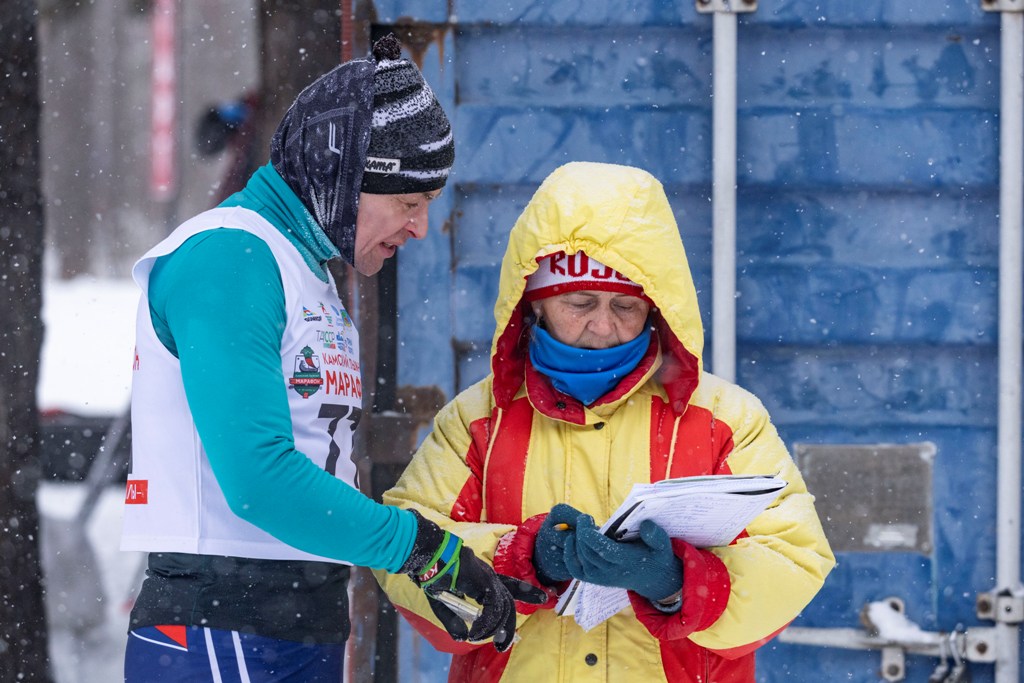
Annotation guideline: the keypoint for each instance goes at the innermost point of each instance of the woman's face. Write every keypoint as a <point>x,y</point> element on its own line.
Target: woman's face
<point>592,319</point>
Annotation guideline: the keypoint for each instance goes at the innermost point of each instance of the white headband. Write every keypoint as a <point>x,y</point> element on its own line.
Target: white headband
<point>558,274</point>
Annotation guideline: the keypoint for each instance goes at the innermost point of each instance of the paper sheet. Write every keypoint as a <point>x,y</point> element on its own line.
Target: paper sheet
<point>703,511</point>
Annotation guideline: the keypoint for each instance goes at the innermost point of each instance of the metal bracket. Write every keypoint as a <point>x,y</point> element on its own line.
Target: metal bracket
<point>734,6</point>
<point>977,644</point>
<point>980,641</point>
<point>996,5</point>
<point>1005,606</point>
<point>894,664</point>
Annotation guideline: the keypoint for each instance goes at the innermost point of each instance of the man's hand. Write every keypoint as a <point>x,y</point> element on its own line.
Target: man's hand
<point>549,545</point>
<point>439,562</point>
<point>645,565</point>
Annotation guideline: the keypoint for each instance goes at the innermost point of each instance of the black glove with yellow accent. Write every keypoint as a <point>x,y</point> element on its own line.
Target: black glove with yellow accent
<point>440,563</point>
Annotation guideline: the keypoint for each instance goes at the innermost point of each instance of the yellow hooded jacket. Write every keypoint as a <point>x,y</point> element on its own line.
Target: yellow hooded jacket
<point>507,449</point>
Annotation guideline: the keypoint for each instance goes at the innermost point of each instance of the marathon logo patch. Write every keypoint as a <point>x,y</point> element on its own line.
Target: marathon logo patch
<point>382,165</point>
<point>137,492</point>
<point>306,379</point>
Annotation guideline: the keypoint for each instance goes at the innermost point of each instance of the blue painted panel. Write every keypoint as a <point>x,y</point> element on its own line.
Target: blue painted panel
<point>604,66</point>
<point>515,145</point>
<point>801,67</point>
<point>962,565</point>
<point>784,663</point>
<point>473,363</point>
<point>965,520</point>
<point>888,229</point>
<point>575,12</point>
<point>871,13</point>
<point>667,67</point>
<point>859,578</point>
<point>876,14</point>
<point>485,214</point>
<point>824,303</point>
<point>873,387</point>
<point>475,289</point>
<point>964,495</point>
<point>389,11</point>
<point>425,357</point>
<point>891,148</point>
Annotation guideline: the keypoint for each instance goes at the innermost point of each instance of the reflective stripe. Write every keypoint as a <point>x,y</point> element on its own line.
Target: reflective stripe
<point>214,668</point>
<point>243,672</point>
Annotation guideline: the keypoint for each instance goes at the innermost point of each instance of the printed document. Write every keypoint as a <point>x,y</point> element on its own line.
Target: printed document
<point>705,511</point>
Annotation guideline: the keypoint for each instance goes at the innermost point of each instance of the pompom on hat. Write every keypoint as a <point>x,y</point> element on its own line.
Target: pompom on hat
<point>559,274</point>
<point>411,147</point>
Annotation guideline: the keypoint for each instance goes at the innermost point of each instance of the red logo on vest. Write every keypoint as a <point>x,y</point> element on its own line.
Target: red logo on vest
<point>137,492</point>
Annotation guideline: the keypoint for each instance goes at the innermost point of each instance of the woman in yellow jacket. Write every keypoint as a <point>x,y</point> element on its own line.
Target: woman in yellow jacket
<point>597,384</point>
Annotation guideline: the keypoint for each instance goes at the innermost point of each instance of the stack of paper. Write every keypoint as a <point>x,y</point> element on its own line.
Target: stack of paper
<point>704,511</point>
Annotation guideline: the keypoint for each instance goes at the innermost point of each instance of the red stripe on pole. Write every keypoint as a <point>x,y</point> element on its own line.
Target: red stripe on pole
<point>163,100</point>
<point>346,30</point>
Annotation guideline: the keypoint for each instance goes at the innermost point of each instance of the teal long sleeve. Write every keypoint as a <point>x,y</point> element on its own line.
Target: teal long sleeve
<point>217,303</point>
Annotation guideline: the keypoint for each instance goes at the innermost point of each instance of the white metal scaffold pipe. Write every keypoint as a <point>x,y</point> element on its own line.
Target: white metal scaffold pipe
<point>1011,185</point>
<point>723,197</point>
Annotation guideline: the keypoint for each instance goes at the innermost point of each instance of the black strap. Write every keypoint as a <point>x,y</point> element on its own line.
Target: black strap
<point>285,599</point>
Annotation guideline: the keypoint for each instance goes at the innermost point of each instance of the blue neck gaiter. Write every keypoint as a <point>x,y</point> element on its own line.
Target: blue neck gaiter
<point>585,374</point>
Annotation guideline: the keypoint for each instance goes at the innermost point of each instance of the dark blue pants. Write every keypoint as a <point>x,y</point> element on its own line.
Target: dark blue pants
<point>193,654</point>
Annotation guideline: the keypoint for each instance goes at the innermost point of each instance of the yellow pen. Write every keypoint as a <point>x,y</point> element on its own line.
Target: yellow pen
<point>562,526</point>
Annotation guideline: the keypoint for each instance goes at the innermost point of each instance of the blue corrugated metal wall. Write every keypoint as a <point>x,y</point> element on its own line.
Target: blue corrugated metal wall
<point>867,233</point>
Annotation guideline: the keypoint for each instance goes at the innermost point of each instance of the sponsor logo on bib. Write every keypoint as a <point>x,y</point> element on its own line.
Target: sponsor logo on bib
<point>306,379</point>
<point>137,492</point>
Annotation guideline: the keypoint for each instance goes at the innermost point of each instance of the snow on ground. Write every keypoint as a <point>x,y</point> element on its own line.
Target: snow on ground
<point>89,328</point>
<point>88,342</point>
<point>90,585</point>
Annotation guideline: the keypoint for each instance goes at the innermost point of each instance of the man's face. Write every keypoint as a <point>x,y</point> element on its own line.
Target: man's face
<point>385,222</point>
<point>593,319</point>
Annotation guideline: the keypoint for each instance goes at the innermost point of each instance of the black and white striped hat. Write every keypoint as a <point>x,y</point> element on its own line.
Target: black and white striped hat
<point>411,147</point>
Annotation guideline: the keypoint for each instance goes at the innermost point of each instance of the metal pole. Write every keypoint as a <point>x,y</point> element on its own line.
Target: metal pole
<point>723,196</point>
<point>1011,176</point>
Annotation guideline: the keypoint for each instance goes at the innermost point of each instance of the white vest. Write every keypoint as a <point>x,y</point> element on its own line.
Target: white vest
<point>173,502</point>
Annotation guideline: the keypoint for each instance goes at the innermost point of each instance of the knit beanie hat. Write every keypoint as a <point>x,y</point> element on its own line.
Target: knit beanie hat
<point>321,145</point>
<point>411,148</point>
<point>558,274</point>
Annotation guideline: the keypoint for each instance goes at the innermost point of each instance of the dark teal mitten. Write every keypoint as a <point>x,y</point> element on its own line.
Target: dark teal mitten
<point>549,545</point>
<point>644,565</point>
